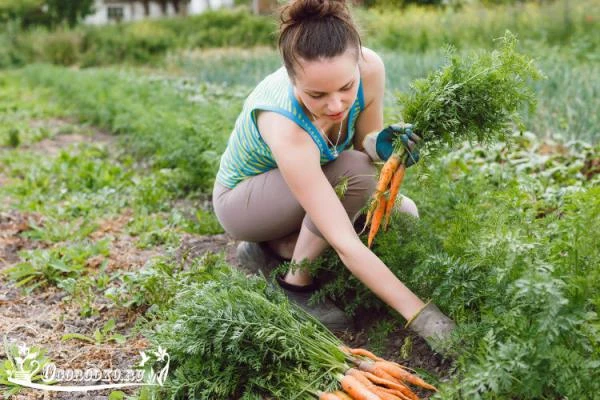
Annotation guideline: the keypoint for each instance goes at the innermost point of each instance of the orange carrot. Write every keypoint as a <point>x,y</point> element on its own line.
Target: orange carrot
<point>402,391</point>
<point>376,222</point>
<point>385,176</point>
<point>372,206</point>
<point>357,390</point>
<point>366,353</point>
<point>404,367</point>
<point>328,396</point>
<point>404,375</point>
<point>342,395</point>
<point>360,376</point>
<point>384,394</point>
<point>391,384</point>
<point>373,368</point>
<point>394,189</point>
<point>400,394</point>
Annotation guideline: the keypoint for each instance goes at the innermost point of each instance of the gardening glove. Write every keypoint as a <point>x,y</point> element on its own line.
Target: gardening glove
<point>379,145</point>
<point>430,323</point>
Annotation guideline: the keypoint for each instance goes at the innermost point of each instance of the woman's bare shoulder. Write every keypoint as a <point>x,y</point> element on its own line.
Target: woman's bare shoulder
<point>277,130</point>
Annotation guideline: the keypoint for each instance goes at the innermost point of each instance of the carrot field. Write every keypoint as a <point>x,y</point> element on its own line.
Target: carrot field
<point>111,255</point>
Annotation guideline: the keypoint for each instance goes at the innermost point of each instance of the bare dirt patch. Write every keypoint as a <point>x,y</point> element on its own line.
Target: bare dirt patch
<point>42,317</point>
<point>12,223</point>
<point>63,138</point>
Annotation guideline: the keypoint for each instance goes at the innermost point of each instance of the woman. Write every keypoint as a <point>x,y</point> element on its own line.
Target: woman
<point>290,147</point>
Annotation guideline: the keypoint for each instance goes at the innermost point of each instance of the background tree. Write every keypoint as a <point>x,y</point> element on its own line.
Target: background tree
<point>68,11</point>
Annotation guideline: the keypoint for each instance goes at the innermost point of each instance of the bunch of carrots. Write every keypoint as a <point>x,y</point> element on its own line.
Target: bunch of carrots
<point>473,98</point>
<point>374,378</point>
<point>386,191</point>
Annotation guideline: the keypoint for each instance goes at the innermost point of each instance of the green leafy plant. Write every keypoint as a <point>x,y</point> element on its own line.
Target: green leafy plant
<point>49,266</point>
<point>103,335</point>
<point>162,278</point>
<point>249,339</point>
<point>13,138</point>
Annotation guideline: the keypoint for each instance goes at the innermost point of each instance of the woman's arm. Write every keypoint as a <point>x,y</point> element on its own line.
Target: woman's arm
<point>372,72</point>
<point>297,157</point>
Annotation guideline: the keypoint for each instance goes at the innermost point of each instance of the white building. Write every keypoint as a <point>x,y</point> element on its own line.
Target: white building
<point>122,10</point>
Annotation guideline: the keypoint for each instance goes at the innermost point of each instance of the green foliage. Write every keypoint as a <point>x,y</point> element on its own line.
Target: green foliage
<point>137,42</point>
<point>13,138</point>
<point>472,98</point>
<point>237,336</point>
<point>159,282</point>
<point>506,245</point>
<point>420,29</point>
<point>68,11</point>
<point>23,12</point>
<point>379,333</point>
<point>103,335</point>
<point>82,290</point>
<point>140,42</point>
<point>153,230</point>
<point>223,29</point>
<point>414,29</point>
<point>396,4</point>
<point>51,266</point>
<point>175,124</point>
<point>206,224</point>
<point>48,13</point>
<point>21,109</point>
<point>58,47</point>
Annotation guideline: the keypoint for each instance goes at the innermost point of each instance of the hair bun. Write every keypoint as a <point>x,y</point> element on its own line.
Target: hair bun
<point>300,10</point>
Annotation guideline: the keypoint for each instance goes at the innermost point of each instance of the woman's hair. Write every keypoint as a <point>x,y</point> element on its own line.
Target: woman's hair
<point>314,29</point>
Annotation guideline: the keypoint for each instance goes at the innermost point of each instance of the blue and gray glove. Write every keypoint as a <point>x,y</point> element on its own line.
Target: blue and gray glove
<point>379,145</point>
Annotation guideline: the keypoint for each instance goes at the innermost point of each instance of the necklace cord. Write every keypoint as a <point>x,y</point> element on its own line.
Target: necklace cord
<point>339,134</point>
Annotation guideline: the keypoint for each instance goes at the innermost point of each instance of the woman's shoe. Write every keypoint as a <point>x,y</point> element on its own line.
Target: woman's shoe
<point>325,311</point>
<point>258,257</point>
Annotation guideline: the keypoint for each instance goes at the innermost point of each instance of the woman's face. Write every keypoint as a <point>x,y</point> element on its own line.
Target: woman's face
<point>328,87</point>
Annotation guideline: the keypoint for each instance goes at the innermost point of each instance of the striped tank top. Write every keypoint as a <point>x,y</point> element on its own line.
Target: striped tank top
<point>247,154</point>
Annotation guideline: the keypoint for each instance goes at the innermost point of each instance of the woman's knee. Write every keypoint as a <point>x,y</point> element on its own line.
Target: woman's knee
<point>360,171</point>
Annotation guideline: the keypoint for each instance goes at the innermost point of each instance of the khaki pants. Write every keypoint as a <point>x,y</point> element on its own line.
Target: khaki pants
<point>262,208</point>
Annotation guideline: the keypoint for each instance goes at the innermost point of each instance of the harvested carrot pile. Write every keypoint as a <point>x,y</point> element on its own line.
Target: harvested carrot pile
<point>474,99</point>
<point>238,337</point>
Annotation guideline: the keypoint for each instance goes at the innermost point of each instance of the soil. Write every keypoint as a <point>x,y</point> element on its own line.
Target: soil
<point>42,317</point>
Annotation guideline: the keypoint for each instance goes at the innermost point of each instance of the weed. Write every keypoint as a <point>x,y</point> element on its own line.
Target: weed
<point>50,266</point>
<point>103,335</point>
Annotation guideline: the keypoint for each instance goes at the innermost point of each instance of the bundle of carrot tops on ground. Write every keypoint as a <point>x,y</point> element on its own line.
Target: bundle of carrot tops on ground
<point>239,337</point>
<point>475,99</point>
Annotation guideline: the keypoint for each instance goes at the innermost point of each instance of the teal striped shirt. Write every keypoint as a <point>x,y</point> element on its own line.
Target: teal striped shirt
<point>247,154</point>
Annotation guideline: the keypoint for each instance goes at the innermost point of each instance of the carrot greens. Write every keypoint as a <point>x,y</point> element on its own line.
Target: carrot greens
<point>473,98</point>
